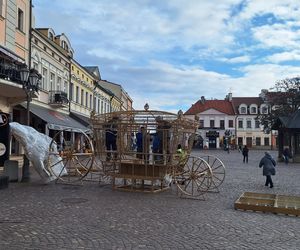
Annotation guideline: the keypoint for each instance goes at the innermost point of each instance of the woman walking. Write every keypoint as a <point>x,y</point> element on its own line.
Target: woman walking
<point>268,164</point>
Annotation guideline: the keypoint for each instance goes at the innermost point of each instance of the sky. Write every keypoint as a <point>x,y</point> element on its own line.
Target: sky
<point>169,53</point>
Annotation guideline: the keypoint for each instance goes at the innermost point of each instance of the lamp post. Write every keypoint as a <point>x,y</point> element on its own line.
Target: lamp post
<point>30,80</point>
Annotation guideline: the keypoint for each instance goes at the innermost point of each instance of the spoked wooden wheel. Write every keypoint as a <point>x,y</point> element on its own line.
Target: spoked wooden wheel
<point>218,170</point>
<point>194,178</point>
<point>71,161</point>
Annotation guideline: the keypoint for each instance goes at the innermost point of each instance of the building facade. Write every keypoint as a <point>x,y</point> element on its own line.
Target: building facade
<point>232,122</point>
<point>216,123</point>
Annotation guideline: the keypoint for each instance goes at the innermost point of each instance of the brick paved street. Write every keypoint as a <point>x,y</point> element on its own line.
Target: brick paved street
<point>36,216</point>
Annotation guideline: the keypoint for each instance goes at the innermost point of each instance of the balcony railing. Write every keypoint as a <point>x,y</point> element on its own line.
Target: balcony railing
<point>58,98</point>
<point>10,71</point>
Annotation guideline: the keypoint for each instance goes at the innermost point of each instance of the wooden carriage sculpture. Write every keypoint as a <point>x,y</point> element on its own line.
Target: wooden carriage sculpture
<point>142,150</point>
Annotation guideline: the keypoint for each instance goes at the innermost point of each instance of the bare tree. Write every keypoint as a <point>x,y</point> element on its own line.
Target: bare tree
<point>283,100</point>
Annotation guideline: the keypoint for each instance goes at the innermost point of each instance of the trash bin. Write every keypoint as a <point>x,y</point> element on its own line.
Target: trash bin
<point>11,169</point>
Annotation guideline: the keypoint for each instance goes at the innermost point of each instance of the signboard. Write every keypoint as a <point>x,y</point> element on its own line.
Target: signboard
<point>212,133</point>
<point>4,137</point>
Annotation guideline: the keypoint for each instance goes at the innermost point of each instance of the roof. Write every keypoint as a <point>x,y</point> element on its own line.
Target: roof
<point>237,101</point>
<point>223,106</point>
<point>94,70</point>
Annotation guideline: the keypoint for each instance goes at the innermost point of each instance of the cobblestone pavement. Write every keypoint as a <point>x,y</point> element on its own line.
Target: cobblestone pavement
<point>92,216</point>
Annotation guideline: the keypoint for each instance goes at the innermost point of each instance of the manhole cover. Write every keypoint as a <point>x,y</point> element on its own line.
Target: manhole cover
<point>74,200</point>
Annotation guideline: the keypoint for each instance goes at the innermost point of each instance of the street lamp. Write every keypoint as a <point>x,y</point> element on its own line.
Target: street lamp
<point>30,79</point>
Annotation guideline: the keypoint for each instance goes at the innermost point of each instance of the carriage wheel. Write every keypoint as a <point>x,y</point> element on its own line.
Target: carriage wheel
<point>218,170</point>
<point>194,178</point>
<point>70,162</point>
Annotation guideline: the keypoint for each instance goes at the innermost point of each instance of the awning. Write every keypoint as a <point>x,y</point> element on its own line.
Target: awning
<point>80,118</point>
<point>57,120</point>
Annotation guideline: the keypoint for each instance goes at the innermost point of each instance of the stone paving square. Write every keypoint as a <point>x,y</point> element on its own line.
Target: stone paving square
<point>92,216</point>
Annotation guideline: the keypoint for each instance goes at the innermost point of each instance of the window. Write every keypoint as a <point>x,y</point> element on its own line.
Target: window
<point>258,142</point>
<point>222,124</point>
<point>65,87</point>
<point>212,123</point>
<point>35,65</point>
<point>201,124</point>
<point>256,123</point>
<point>58,84</point>
<point>98,110</point>
<point>249,125</point>
<point>86,99</point>
<point>82,96</point>
<point>1,7</point>
<point>20,20</point>
<point>91,101</point>
<point>240,123</point>
<point>52,83</point>
<point>267,141</point>
<point>71,91</point>
<point>264,110</point>
<point>230,123</point>
<point>51,36</point>
<point>44,78</point>
<point>243,110</point>
<point>101,107</point>
<point>77,94</point>
<point>45,48</point>
<point>253,110</point>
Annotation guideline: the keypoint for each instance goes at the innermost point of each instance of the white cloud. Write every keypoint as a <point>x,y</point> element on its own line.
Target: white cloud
<point>284,56</point>
<point>165,52</point>
<point>238,59</point>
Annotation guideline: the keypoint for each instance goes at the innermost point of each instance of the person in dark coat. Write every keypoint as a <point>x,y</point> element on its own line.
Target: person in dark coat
<point>245,153</point>
<point>286,155</point>
<point>268,164</point>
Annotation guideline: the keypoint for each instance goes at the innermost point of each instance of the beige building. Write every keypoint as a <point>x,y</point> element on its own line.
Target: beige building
<point>121,94</point>
<point>248,129</point>
<point>14,50</point>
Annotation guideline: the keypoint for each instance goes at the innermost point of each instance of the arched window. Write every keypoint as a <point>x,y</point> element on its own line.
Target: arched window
<point>243,110</point>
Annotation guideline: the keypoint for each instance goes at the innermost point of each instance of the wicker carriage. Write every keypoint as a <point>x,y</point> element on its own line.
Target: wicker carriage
<point>142,150</point>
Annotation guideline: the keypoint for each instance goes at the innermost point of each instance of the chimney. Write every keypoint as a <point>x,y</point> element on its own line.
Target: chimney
<point>202,99</point>
<point>230,97</point>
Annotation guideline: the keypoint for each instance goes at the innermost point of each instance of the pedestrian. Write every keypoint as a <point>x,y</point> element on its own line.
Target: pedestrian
<point>140,142</point>
<point>268,164</point>
<point>286,155</point>
<point>245,154</point>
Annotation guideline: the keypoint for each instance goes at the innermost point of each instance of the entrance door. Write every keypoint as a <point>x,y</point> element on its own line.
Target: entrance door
<point>212,142</point>
<point>249,142</point>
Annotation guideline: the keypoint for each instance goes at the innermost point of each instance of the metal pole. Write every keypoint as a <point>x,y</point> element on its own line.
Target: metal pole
<point>25,168</point>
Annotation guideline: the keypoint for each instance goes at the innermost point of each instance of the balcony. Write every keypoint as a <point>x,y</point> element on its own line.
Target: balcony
<point>58,99</point>
<point>11,86</point>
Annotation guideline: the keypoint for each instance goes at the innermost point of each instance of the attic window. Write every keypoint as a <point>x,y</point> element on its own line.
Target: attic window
<point>51,36</point>
<point>253,110</point>
<point>243,110</point>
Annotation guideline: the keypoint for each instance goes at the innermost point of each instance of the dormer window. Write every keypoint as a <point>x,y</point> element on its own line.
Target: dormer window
<point>243,110</point>
<point>51,37</point>
<point>264,110</point>
<point>253,110</point>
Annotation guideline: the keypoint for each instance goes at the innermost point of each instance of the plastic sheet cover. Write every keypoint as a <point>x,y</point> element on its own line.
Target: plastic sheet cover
<point>36,148</point>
